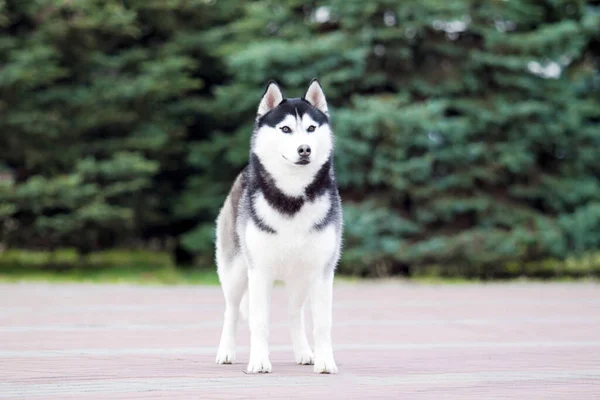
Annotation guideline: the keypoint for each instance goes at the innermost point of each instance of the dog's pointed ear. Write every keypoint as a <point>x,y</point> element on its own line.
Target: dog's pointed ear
<point>270,99</point>
<point>315,96</point>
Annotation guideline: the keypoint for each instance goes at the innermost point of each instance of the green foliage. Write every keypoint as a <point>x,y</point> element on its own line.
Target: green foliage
<point>98,98</point>
<point>150,267</point>
<point>467,131</point>
<point>114,266</point>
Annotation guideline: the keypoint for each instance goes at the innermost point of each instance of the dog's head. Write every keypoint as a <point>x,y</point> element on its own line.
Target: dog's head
<point>293,133</point>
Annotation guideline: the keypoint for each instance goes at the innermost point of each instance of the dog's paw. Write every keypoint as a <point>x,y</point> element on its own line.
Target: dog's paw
<point>259,365</point>
<point>225,356</point>
<point>305,357</point>
<point>325,365</point>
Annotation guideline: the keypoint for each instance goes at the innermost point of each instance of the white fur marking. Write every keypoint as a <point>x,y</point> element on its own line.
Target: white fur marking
<point>321,306</point>
<point>278,152</point>
<point>260,285</point>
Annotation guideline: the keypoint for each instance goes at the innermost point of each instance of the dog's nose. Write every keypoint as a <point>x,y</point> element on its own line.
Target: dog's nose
<point>304,150</point>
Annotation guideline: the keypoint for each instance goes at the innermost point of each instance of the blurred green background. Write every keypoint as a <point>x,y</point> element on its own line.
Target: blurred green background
<point>468,131</point>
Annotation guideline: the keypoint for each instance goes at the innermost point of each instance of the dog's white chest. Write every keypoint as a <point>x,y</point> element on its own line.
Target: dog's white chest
<point>296,247</point>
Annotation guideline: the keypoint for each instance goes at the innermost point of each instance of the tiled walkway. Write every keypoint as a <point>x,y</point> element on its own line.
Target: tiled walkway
<point>392,340</point>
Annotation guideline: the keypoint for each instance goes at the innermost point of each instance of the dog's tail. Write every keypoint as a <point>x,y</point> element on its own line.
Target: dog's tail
<point>244,306</point>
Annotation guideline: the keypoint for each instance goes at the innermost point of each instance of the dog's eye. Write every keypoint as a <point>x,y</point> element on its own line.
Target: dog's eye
<point>285,129</point>
<point>311,128</point>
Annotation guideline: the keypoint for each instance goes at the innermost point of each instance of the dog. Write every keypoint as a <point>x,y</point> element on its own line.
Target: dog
<point>282,221</point>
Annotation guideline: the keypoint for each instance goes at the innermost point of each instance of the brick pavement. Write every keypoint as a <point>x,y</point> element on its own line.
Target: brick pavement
<point>392,340</point>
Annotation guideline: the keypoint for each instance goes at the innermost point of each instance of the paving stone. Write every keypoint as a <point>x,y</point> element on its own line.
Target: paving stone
<point>392,340</point>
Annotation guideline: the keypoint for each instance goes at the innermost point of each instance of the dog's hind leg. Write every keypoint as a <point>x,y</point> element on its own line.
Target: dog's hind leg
<point>297,297</point>
<point>234,282</point>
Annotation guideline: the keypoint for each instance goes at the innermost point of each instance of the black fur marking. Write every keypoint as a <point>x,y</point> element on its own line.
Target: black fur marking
<point>247,203</point>
<point>257,220</point>
<point>263,182</point>
<point>289,205</point>
<point>291,107</point>
<point>259,179</point>
<point>321,183</point>
<point>334,210</point>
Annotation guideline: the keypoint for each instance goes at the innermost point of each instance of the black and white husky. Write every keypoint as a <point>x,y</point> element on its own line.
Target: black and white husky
<point>282,221</point>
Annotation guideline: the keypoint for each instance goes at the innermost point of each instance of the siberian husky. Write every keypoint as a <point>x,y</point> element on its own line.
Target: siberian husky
<point>282,221</point>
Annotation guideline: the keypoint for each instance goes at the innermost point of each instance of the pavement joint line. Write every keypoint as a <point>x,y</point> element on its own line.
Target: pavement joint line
<point>362,322</point>
<point>210,350</point>
<point>12,309</point>
<point>20,390</point>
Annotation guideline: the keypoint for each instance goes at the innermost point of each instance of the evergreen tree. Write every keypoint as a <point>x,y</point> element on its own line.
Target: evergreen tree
<point>96,101</point>
<point>467,130</point>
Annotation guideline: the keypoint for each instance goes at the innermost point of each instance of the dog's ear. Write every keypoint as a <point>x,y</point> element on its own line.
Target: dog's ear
<point>270,99</point>
<point>315,96</point>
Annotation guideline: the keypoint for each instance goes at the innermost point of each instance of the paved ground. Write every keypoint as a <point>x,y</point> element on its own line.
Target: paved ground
<point>393,340</point>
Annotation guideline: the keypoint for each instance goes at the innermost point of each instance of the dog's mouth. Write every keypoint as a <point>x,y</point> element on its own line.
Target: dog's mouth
<point>301,161</point>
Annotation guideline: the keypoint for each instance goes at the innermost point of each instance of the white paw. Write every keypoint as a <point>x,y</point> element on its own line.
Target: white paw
<point>325,365</point>
<point>259,365</point>
<point>305,357</point>
<point>225,356</point>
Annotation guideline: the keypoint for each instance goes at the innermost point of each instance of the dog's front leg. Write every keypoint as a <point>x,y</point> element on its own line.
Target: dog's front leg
<point>321,306</point>
<point>260,285</point>
<point>298,293</point>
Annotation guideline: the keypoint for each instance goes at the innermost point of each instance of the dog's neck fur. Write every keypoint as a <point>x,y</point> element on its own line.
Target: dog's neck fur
<point>261,180</point>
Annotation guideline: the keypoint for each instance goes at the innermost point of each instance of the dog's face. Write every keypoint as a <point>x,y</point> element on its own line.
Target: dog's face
<point>294,133</point>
